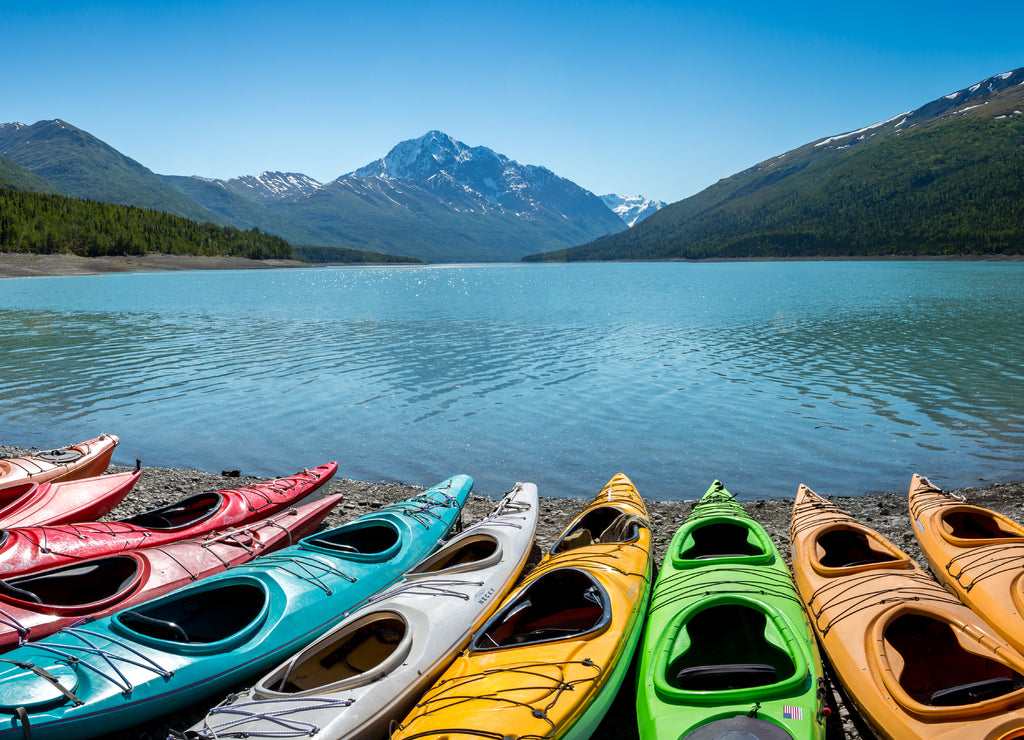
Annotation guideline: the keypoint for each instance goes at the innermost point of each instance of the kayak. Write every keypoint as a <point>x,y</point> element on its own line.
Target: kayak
<point>551,659</point>
<point>915,661</point>
<point>37,605</point>
<point>30,549</point>
<point>83,460</point>
<point>727,647</point>
<point>977,553</point>
<point>64,502</point>
<point>369,671</point>
<point>208,637</point>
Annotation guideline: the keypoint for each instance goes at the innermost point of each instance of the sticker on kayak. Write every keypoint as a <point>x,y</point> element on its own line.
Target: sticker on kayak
<point>919,525</point>
<point>483,595</point>
<point>789,712</point>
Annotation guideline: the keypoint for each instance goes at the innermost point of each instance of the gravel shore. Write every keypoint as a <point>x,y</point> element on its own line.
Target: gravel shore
<point>885,512</point>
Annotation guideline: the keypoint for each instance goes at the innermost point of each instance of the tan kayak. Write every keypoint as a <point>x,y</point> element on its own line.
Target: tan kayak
<point>915,661</point>
<point>976,552</point>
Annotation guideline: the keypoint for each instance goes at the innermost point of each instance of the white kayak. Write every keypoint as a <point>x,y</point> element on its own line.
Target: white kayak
<point>371,669</point>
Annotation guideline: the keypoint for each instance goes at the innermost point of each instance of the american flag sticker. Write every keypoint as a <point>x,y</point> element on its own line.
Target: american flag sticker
<point>789,712</point>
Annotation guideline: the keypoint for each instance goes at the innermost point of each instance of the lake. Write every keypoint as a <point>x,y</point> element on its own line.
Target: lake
<point>846,376</point>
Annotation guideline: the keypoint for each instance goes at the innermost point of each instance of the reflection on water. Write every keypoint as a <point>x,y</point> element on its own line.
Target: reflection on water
<point>846,376</point>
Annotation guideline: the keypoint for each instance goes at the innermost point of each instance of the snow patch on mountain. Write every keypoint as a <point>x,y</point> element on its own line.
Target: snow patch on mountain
<point>632,208</point>
<point>272,186</point>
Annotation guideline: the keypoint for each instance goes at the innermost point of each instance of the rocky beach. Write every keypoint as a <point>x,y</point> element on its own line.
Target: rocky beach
<point>886,512</point>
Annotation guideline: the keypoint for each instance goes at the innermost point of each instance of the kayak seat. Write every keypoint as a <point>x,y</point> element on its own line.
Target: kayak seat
<point>184,513</point>
<point>725,676</point>
<point>935,669</point>
<point>348,655</point>
<point>474,550</point>
<point>559,604</point>
<point>610,524</point>
<point>845,548</point>
<point>972,693</point>
<point>719,540</point>
<point>364,540</point>
<point>971,525</point>
<point>209,615</point>
<point>723,647</point>
<point>10,591</point>
<point>75,585</point>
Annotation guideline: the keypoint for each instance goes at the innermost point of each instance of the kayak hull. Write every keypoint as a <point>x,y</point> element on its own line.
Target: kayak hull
<point>30,549</point>
<point>551,658</point>
<point>915,661</point>
<point>65,502</point>
<point>42,603</point>
<point>206,638</point>
<point>82,460</point>
<point>727,633</point>
<point>368,671</point>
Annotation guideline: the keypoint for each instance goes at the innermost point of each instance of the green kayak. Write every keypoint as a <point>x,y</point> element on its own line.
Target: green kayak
<point>727,651</point>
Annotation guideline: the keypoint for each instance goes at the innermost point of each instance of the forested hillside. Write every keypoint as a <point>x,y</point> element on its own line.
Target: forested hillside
<point>946,179</point>
<point>46,224</point>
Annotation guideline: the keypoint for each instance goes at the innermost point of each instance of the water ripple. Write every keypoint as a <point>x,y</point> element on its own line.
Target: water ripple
<point>845,376</point>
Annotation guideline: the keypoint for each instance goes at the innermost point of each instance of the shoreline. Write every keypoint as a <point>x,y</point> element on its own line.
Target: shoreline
<point>23,265</point>
<point>885,512</point>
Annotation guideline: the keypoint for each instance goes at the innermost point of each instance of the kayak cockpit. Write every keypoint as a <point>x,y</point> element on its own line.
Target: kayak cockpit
<point>469,553</point>
<point>934,668</point>
<point>373,539</point>
<point>227,610</point>
<point>976,524</point>
<point>90,583</point>
<point>712,540</point>
<point>726,646</point>
<point>564,603</point>
<point>853,546</point>
<point>358,653</point>
<point>184,513</point>
<point>603,525</point>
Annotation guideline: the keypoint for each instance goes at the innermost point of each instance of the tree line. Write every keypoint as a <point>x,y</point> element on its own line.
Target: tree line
<point>50,224</point>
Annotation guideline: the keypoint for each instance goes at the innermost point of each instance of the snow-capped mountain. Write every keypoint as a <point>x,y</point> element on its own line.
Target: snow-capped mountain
<point>440,163</point>
<point>632,208</point>
<point>273,186</point>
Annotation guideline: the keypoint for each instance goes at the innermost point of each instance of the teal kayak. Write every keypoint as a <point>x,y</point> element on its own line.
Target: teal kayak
<point>727,651</point>
<point>207,638</point>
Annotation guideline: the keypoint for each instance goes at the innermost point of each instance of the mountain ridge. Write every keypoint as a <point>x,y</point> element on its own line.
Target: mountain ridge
<point>943,178</point>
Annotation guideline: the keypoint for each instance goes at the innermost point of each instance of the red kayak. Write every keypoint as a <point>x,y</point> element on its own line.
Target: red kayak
<point>82,460</point>
<point>30,549</point>
<point>65,502</point>
<point>34,606</point>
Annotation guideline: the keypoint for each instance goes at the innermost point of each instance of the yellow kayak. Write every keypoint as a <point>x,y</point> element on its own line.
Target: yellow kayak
<point>915,661</point>
<point>976,552</point>
<point>552,658</point>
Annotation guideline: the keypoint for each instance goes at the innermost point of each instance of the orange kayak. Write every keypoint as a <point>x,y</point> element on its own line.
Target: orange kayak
<point>552,658</point>
<point>915,661</point>
<point>82,460</point>
<point>976,552</point>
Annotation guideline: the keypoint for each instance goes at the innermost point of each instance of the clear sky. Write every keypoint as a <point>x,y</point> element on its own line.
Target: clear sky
<point>660,99</point>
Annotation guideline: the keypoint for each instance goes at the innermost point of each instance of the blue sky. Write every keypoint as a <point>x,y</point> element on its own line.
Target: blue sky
<point>654,98</point>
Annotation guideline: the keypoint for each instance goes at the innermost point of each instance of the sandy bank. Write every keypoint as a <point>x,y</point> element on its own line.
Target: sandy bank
<point>14,265</point>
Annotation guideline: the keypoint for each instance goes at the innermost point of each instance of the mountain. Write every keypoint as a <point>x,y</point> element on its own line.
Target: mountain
<point>432,198</point>
<point>942,179</point>
<point>14,177</point>
<point>632,209</point>
<point>82,166</point>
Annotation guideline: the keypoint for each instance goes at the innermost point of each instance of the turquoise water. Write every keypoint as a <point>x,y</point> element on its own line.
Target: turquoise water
<point>846,376</point>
